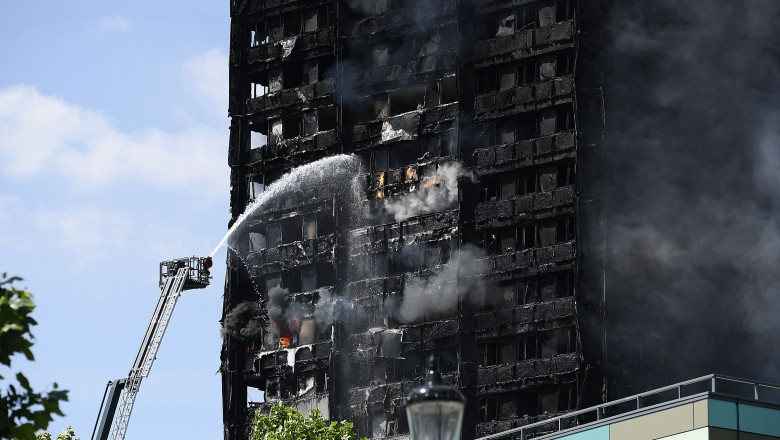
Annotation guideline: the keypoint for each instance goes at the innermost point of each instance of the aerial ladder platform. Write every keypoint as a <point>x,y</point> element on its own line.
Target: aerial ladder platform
<point>118,400</point>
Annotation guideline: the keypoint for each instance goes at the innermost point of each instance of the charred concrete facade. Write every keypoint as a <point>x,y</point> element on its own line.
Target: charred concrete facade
<point>454,230</point>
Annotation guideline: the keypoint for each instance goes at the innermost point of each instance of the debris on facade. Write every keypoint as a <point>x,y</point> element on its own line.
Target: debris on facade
<point>459,233</point>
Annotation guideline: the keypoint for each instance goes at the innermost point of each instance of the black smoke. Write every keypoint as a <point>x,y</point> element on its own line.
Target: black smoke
<point>687,188</point>
<point>243,322</point>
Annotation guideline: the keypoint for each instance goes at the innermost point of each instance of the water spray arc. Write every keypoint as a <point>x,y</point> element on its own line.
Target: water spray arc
<point>317,173</point>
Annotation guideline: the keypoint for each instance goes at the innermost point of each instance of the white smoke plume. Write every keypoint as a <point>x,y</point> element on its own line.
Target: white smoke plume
<point>331,308</point>
<point>438,295</point>
<point>438,192</point>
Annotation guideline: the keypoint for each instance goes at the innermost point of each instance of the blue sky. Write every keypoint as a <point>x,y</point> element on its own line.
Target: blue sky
<point>113,157</point>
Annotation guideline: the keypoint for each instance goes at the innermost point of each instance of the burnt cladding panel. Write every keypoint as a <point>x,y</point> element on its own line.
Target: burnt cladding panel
<point>410,87</point>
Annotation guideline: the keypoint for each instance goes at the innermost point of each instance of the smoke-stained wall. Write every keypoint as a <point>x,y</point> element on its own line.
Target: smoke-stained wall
<point>682,194</point>
<point>454,226</point>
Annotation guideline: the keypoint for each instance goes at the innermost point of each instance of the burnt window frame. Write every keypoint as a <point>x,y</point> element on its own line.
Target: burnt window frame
<point>507,240</point>
<point>362,109</point>
<point>379,154</point>
<point>274,227</point>
<point>528,181</point>
<point>494,241</point>
<point>289,28</point>
<point>525,127</point>
<point>531,348</point>
<point>404,153</point>
<point>513,342</point>
<point>258,34</point>
<point>527,17</point>
<point>564,285</point>
<point>547,286</point>
<point>530,292</point>
<point>292,126</point>
<point>507,185</point>
<point>433,145</point>
<point>488,408</point>
<point>527,237</point>
<point>486,81</point>
<point>292,229</point>
<point>446,88</point>
<point>380,102</point>
<point>253,179</point>
<point>307,220</point>
<point>292,76</point>
<point>307,15</point>
<point>327,118</point>
<point>489,190</point>
<point>325,18</point>
<point>307,271</point>
<point>527,73</point>
<point>400,102</point>
<point>565,173</point>
<point>564,10</point>
<point>379,60</point>
<point>272,280</point>
<point>564,64</point>
<point>565,119</point>
<point>565,230</point>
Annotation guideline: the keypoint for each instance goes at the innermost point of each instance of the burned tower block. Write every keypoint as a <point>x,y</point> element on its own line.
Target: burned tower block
<point>450,228</point>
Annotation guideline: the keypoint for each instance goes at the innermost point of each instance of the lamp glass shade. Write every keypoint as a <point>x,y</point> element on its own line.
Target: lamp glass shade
<point>435,419</point>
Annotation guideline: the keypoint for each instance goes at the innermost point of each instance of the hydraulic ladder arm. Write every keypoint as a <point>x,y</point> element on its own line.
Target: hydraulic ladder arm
<point>119,398</point>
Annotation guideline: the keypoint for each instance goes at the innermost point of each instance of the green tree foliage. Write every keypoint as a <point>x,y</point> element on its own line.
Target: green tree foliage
<point>67,434</point>
<point>22,410</point>
<point>283,423</point>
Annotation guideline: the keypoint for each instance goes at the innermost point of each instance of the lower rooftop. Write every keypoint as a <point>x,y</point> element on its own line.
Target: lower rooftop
<point>710,407</point>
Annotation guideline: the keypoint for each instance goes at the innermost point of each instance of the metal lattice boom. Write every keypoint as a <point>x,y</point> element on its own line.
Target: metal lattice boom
<point>171,291</point>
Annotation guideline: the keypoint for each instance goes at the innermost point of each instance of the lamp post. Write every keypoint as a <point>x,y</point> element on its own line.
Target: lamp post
<point>435,410</point>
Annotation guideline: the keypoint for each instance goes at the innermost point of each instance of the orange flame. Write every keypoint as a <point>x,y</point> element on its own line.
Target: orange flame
<point>431,181</point>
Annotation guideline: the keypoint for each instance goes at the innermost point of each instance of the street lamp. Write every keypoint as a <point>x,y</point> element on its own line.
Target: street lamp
<point>435,410</point>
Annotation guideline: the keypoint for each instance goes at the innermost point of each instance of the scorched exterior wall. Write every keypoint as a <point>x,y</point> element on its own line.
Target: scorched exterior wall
<point>413,88</point>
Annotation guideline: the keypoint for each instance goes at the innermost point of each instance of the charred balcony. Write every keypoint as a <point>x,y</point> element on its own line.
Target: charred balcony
<point>289,153</point>
<point>294,99</point>
<point>306,379</point>
<point>541,400</point>
<point>427,67</point>
<point>516,154</point>
<point>529,374</point>
<point>393,235</point>
<point>296,241</point>
<point>293,138</point>
<point>525,320</point>
<point>518,44</point>
<point>421,109</point>
<point>261,8</point>
<point>531,193</point>
<point>524,98</point>
<point>270,54</point>
<point>269,360</point>
<point>396,20</point>
<point>538,258</point>
<point>553,94</point>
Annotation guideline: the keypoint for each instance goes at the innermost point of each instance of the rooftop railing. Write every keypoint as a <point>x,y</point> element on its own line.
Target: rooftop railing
<point>725,385</point>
